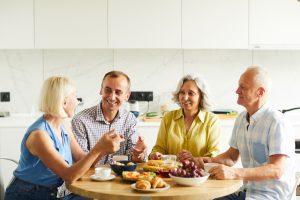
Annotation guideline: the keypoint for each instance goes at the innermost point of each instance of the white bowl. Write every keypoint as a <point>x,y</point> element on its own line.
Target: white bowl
<point>190,181</point>
<point>208,166</point>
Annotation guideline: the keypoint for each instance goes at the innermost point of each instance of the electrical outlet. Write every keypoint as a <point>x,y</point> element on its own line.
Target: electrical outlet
<point>80,100</point>
<point>141,96</point>
<point>5,96</point>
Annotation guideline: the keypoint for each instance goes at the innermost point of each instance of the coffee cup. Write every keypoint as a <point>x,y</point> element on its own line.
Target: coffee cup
<point>102,172</point>
<point>208,166</point>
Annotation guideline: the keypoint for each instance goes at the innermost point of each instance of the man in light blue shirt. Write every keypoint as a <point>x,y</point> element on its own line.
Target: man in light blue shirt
<point>264,140</point>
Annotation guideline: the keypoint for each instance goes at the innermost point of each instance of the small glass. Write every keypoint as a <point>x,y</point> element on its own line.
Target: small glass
<point>169,159</point>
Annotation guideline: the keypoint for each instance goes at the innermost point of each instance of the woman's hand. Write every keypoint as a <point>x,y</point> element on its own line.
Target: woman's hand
<point>184,155</point>
<point>155,156</point>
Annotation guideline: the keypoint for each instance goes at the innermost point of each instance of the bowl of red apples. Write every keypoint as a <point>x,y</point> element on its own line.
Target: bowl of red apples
<point>188,174</point>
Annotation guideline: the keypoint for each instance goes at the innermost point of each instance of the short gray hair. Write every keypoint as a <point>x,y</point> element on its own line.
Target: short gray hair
<point>261,77</point>
<point>205,102</point>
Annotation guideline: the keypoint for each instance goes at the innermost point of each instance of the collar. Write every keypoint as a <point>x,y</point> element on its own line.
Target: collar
<point>100,115</point>
<point>179,114</point>
<point>259,113</point>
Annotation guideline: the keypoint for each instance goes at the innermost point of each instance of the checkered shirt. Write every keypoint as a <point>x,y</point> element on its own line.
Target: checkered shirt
<point>89,126</point>
<point>268,133</point>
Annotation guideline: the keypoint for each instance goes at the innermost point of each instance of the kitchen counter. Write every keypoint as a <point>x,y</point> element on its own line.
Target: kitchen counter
<point>24,120</point>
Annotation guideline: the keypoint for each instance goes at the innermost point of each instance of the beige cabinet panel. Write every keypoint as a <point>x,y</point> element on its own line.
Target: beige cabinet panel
<point>274,24</point>
<point>16,24</point>
<point>144,23</point>
<point>71,24</point>
<point>216,24</point>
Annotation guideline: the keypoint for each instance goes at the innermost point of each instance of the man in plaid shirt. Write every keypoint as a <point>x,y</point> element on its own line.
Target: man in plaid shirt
<point>92,123</point>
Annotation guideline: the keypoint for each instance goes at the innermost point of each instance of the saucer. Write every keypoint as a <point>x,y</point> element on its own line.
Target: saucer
<point>98,178</point>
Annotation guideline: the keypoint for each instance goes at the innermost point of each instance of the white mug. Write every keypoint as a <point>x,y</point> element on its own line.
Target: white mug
<point>102,172</point>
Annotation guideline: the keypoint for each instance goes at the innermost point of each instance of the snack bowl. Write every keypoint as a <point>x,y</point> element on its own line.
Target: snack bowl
<point>190,181</point>
<point>123,165</point>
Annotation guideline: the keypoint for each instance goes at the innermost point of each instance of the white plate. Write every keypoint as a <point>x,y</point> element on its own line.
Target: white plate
<point>150,190</point>
<point>98,178</point>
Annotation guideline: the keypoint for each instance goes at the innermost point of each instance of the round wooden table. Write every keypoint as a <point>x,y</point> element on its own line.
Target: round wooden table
<point>119,189</point>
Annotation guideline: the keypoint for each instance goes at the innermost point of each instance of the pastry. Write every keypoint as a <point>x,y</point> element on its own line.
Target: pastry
<point>143,184</point>
<point>158,183</point>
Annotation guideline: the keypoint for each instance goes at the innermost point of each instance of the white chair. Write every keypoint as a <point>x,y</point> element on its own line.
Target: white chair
<point>296,185</point>
<point>7,165</point>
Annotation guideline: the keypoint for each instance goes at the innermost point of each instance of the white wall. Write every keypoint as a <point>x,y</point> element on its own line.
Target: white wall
<point>23,71</point>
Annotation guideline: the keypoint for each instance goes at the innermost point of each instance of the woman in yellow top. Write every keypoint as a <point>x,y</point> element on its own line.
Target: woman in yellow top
<point>191,131</point>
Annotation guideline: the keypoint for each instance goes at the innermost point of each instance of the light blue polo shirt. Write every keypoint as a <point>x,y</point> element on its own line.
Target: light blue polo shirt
<point>269,133</point>
<point>31,168</point>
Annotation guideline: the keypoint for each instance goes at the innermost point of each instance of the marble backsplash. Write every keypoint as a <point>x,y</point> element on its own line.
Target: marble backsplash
<point>23,71</point>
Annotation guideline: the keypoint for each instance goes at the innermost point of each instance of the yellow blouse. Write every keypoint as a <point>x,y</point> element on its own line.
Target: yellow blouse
<point>201,140</point>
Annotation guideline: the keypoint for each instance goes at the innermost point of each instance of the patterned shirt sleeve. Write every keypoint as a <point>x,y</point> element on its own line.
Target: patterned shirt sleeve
<point>131,135</point>
<point>80,133</point>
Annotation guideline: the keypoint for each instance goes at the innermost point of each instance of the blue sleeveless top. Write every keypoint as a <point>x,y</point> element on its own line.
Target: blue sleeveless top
<point>31,168</point>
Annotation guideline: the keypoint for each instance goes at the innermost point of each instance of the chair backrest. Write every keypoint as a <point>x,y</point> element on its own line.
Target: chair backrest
<point>296,185</point>
<point>7,166</point>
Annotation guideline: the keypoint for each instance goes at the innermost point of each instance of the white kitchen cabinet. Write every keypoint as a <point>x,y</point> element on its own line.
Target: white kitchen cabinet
<point>215,24</point>
<point>149,132</point>
<point>226,132</point>
<point>144,23</point>
<point>274,24</point>
<point>16,24</point>
<point>10,144</point>
<point>71,24</point>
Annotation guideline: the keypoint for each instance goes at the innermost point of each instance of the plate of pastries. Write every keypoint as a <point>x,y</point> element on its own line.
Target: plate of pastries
<point>157,165</point>
<point>134,175</point>
<point>160,167</point>
<point>155,184</point>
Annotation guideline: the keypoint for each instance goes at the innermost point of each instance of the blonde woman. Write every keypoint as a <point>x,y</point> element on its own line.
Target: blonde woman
<point>191,131</point>
<point>49,152</point>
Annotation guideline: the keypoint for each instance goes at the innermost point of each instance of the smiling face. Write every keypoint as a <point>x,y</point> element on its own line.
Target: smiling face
<point>114,91</point>
<point>189,96</point>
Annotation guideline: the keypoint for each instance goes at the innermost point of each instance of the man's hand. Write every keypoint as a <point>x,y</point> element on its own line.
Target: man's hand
<point>109,142</point>
<point>223,172</point>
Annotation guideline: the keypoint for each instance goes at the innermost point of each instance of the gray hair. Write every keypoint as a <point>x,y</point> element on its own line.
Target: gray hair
<point>261,77</point>
<point>205,102</point>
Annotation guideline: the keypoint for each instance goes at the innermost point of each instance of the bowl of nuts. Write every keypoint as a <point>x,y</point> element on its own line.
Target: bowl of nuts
<point>122,165</point>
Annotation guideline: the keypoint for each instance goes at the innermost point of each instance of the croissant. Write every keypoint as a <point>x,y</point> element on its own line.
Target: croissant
<point>143,184</point>
<point>158,183</point>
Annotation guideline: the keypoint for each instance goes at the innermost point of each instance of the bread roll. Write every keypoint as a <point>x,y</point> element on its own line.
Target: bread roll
<point>158,183</point>
<point>143,184</point>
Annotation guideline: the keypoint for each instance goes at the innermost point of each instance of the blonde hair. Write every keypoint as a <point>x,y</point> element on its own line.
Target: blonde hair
<point>54,91</point>
<point>205,103</point>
